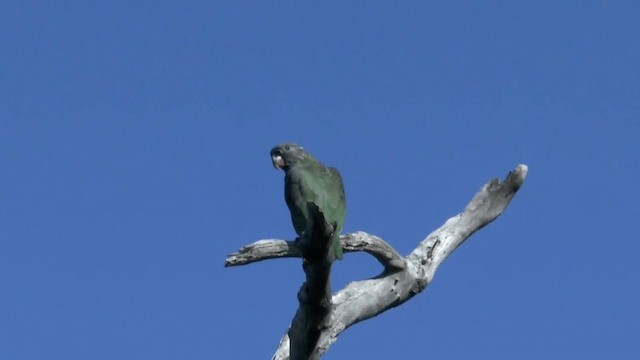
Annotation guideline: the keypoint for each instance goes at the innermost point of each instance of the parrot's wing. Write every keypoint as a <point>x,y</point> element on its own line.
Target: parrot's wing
<point>336,208</point>
<point>324,187</point>
<point>334,198</point>
<point>299,188</point>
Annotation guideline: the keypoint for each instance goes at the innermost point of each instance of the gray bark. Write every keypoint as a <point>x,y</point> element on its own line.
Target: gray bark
<point>402,277</point>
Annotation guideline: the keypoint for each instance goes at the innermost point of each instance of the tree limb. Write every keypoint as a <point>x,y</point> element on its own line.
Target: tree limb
<point>263,250</point>
<point>276,248</point>
<point>403,278</point>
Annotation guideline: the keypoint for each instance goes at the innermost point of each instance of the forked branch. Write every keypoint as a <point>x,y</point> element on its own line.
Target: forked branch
<point>403,277</point>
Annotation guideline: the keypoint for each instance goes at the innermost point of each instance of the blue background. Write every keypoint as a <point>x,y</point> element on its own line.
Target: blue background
<point>134,142</point>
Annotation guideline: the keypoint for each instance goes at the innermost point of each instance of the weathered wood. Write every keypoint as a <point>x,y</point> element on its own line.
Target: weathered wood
<point>275,248</point>
<point>402,277</point>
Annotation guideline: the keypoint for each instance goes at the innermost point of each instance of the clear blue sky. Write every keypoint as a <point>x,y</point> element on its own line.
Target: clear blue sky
<point>134,141</point>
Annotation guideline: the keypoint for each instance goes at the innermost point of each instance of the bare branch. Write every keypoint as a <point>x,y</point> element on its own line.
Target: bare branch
<point>358,241</point>
<point>403,277</point>
<point>492,199</point>
<point>263,250</point>
<point>371,244</point>
<point>362,300</point>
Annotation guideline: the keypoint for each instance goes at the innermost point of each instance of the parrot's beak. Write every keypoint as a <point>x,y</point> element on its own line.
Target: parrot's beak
<point>278,162</point>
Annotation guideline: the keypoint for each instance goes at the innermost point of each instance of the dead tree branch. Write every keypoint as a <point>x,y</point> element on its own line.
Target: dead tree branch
<point>403,277</point>
<point>276,248</point>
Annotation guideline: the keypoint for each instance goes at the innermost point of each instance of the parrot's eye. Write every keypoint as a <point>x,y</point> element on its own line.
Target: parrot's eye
<point>287,147</point>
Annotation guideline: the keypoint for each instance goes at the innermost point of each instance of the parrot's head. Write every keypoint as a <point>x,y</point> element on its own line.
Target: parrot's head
<point>284,156</point>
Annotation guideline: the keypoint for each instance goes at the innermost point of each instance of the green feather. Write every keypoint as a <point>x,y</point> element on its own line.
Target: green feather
<point>308,180</point>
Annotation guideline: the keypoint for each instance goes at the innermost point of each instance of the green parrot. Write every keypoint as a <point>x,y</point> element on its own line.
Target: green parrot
<point>308,180</point>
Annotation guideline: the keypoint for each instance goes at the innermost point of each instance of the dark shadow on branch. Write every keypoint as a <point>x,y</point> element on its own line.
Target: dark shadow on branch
<point>314,296</point>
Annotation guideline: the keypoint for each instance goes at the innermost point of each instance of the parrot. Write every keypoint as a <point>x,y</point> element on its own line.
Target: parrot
<point>308,180</point>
